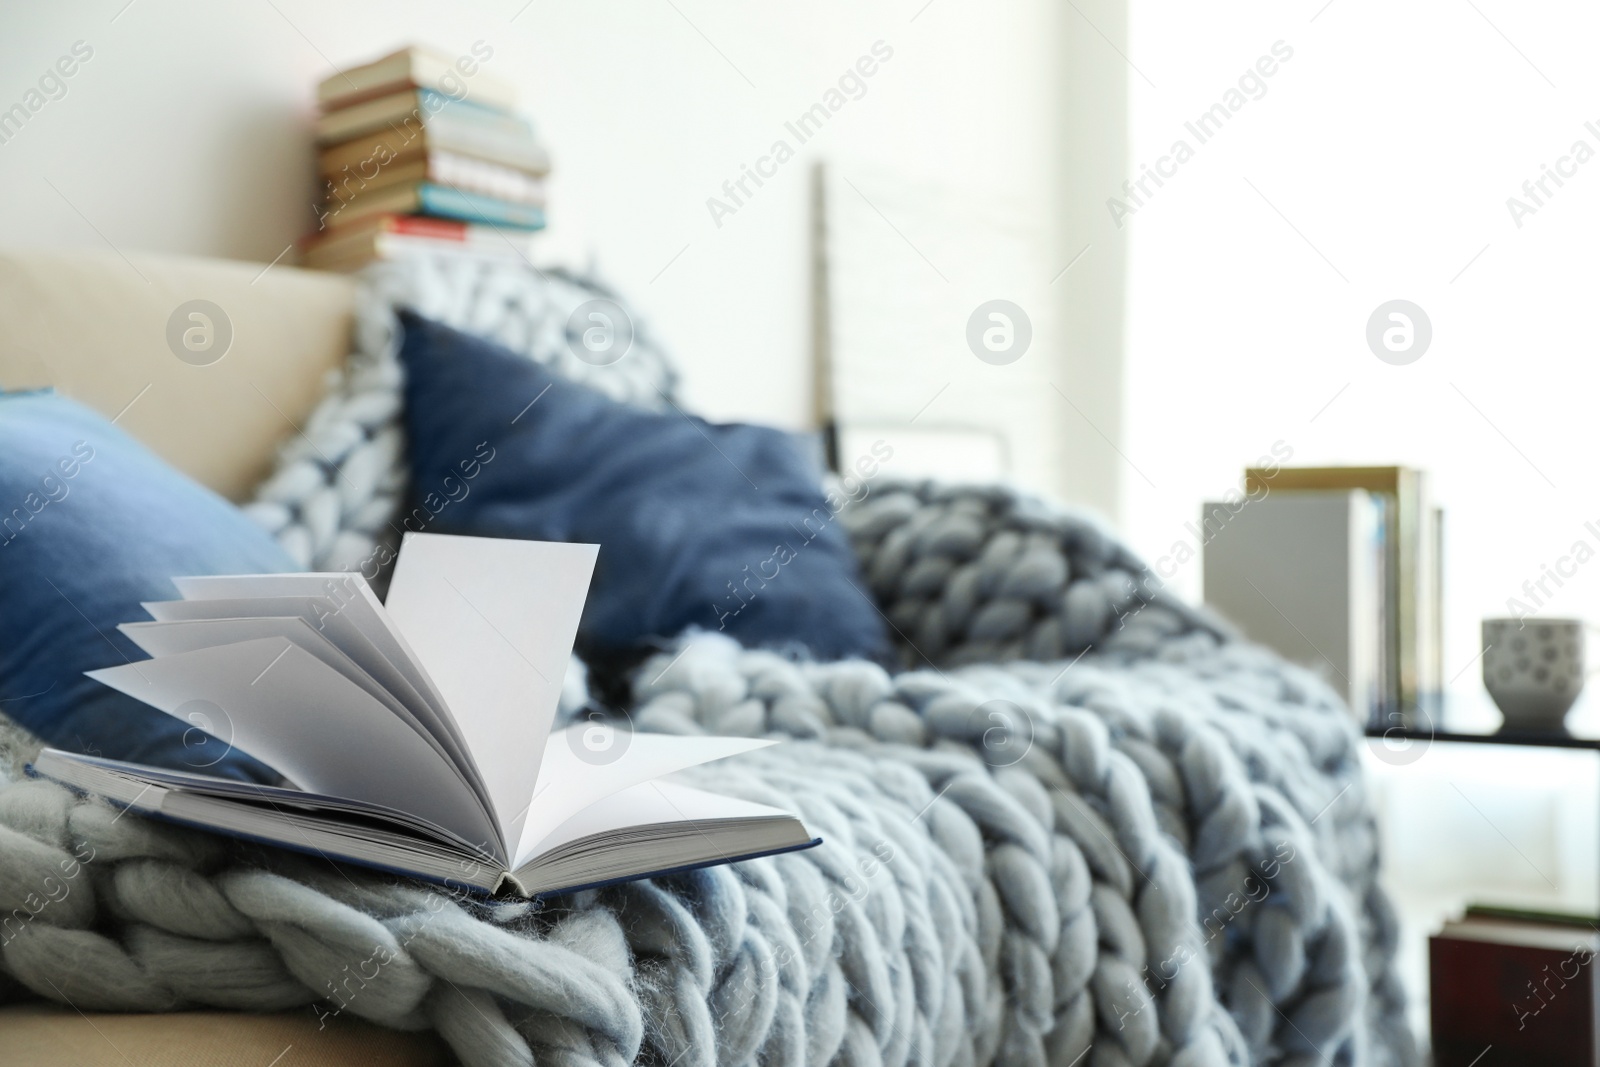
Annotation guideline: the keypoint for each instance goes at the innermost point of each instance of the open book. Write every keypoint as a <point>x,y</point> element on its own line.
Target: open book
<point>415,734</point>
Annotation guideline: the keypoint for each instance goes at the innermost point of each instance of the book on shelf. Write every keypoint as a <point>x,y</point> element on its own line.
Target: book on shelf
<point>1433,676</point>
<point>1303,573</point>
<point>421,68</point>
<point>1509,988</point>
<point>415,107</point>
<point>1414,671</point>
<point>415,734</point>
<point>1504,913</point>
<point>395,144</point>
<point>442,168</point>
<point>439,201</point>
<point>379,237</point>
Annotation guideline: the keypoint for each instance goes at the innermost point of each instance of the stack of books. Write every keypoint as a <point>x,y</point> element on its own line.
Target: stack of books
<point>1338,568</point>
<point>1510,988</point>
<point>419,152</point>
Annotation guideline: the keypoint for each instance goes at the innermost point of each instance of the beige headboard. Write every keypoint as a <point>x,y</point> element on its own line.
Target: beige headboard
<point>96,326</point>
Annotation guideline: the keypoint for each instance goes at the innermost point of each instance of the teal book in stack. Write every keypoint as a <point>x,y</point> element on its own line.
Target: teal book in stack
<point>419,135</point>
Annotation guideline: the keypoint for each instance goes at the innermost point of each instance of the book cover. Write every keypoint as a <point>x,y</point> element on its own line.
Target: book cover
<point>1508,993</point>
<point>442,168</point>
<point>1414,595</point>
<point>372,152</point>
<point>505,246</point>
<point>414,66</point>
<point>1299,573</point>
<point>348,248</point>
<point>441,201</point>
<point>416,107</point>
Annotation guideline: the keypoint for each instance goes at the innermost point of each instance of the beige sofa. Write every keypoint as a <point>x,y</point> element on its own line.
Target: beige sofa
<point>51,1036</point>
<point>95,326</point>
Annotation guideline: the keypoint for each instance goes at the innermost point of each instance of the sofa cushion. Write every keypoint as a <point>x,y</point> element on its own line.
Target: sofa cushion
<point>91,524</point>
<point>721,526</point>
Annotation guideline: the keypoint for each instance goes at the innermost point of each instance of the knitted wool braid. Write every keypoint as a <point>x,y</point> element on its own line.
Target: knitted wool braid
<point>1213,795</point>
<point>337,486</point>
<point>970,575</point>
<point>799,958</point>
<point>986,575</point>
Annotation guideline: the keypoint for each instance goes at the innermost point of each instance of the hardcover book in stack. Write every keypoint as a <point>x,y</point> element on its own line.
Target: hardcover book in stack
<point>421,152</point>
<point>1338,568</point>
<point>1513,988</point>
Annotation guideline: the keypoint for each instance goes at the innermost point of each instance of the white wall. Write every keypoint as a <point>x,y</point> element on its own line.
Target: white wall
<point>1377,165</point>
<point>187,131</point>
<point>1371,171</point>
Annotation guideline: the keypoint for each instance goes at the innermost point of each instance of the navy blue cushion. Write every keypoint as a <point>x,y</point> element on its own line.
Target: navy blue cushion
<point>720,526</point>
<point>91,524</point>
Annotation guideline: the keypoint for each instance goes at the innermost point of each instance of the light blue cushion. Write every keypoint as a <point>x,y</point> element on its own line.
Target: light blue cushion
<point>92,523</point>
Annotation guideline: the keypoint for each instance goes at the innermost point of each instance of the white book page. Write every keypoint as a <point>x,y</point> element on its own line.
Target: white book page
<point>343,595</point>
<point>282,705</point>
<point>336,584</point>
<point>571,779</point>
<point>655,802</point>
<point>340,627</point>
<point>187,635</point>
<point>492,621</point>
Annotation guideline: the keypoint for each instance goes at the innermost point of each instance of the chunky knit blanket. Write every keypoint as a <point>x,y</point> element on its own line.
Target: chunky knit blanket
<point>1084,825</point>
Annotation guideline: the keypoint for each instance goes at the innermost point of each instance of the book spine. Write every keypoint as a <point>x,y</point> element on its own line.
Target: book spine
<point>512,248</point>
<point>450,203</point>
<point>422,226</point>
<point>427,110</point>
<point>481,176</point>
<point>434,104</point>
<point>1437,651</point>
<point>1410,602</point>
<point>1392,704</point>
<point>1430,673</point>
<point>519,151</point>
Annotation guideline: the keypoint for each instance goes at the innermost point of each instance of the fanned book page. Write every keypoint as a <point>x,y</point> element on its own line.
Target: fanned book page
<point>416,735</point>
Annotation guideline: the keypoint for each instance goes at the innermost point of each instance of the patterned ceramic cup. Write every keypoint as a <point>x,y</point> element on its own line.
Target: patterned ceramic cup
<point>1533,668</point>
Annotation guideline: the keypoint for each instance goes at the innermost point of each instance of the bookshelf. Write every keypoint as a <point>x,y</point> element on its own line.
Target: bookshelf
<point>1468,716</point>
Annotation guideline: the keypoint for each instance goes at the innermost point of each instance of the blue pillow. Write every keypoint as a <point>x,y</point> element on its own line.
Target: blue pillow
<point>723,527</point>
<point>92,523</point>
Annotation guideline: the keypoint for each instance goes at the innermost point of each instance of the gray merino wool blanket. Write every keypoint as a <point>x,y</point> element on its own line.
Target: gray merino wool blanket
<point>1084,825</point>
